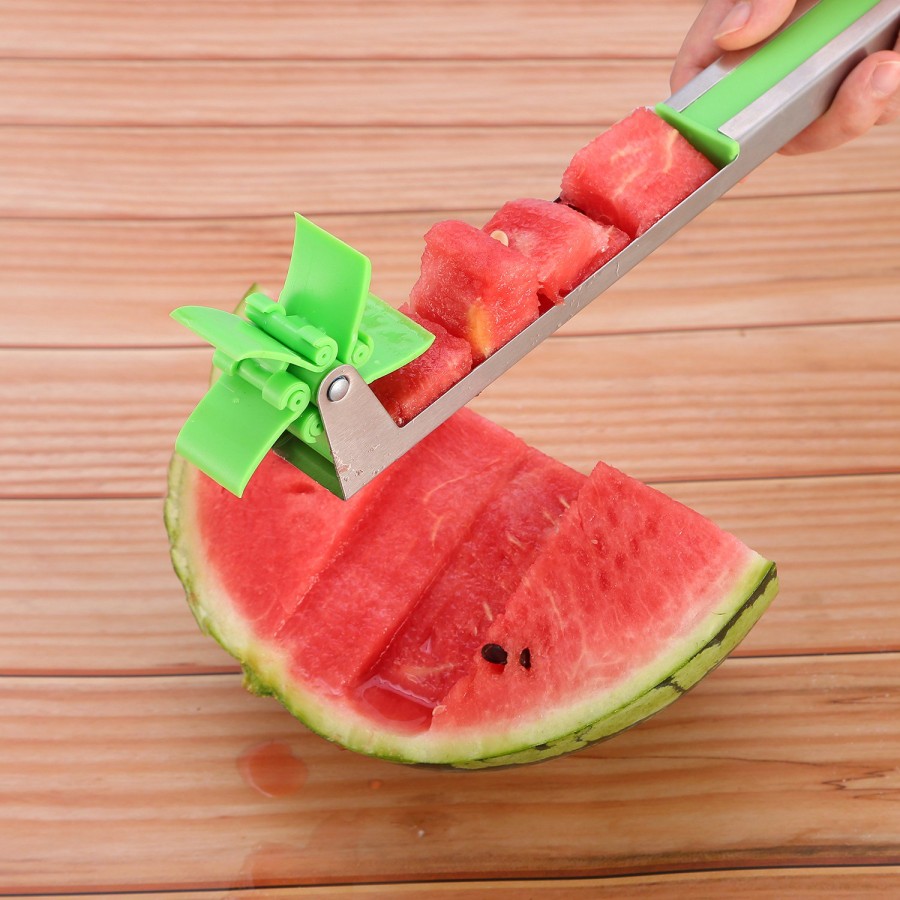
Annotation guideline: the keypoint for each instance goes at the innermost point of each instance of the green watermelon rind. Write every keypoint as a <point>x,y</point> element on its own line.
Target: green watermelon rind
<point>659,695</point>
<point>267,670</point>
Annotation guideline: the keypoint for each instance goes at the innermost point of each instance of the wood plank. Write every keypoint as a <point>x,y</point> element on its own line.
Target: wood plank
<point>141,785</point>
<point>835,541</point>
<point>671,407</point>
<point>663,407</point>
<point>80,578</point>
<point>843,882</point>
<point>743,262</point>
<point>301,29</point>
<point>87,173</point>
<point>329,92</point>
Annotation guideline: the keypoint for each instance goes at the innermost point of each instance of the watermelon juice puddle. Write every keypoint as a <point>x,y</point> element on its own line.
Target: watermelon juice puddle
<point>272,769</point>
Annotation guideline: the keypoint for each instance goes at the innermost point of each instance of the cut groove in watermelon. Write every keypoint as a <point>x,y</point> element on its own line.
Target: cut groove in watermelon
<point>432,648</point>
<point>624,599</point>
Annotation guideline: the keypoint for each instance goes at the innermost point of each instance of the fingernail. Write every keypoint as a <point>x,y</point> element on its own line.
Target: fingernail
<point>735,20</point>
<point>886,78</point>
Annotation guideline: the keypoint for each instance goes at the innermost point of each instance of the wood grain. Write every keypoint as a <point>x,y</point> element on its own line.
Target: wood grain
<point>152,154</point>
<point>743,262</point>
<point>756,403</point>
<point>86,586</point>
<point>79,579</point>
<point>681,406</point>
<point>141,172</point>
<point>358,93</point>
<point>844,882</point>
<point>302,29</point>
<point>154,763</point>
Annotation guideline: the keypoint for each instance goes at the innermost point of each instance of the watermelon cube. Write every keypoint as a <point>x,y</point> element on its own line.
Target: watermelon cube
<point>634,173</point>
<point>406,392</point>
<point>565,245</point>
<point>475,287</point>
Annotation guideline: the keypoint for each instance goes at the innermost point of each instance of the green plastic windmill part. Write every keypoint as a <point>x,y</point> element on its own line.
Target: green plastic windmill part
<point>273,361</point>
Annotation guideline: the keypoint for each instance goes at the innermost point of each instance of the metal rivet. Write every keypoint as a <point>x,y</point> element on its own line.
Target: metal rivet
<point>338,388</point>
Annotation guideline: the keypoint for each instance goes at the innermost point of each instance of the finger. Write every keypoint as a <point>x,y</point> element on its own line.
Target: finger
<point>699,50</point>
<point>750,22</point>
<point>870,95</point>
<point>726,25</point>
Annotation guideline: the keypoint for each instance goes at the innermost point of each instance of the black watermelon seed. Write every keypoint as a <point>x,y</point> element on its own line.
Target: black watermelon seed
<point>525,659</point>
<point>494,653</point>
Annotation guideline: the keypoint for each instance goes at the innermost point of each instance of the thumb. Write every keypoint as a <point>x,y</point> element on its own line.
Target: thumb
<point>750,21</point>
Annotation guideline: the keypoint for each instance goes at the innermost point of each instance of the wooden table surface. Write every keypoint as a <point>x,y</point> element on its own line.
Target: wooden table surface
<point>151,155</point>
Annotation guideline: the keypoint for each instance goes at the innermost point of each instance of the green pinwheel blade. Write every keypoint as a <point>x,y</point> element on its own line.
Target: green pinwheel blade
<point>234,336</point>
<point>327,284</point>
<point>396,339</point>
<point>231,430</point>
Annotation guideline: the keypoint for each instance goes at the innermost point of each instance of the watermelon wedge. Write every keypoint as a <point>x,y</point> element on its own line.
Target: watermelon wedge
<point>476,605</point>
<point>565,245</point>
<point>634,173</point>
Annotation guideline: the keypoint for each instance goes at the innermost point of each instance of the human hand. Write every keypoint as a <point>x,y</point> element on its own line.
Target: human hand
<point>869,96</point>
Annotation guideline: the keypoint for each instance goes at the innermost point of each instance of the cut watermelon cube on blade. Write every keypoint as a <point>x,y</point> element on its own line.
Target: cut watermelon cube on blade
<point>411,388</point>
<point>477,605</point>
<point>565,245</point>
<point>634,173</point>
<point>475,287</point>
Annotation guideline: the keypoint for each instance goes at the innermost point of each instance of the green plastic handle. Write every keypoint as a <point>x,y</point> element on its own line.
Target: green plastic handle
<point>701,121</point>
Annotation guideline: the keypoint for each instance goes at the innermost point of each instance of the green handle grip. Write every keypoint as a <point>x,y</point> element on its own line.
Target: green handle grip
<point>701,121</point>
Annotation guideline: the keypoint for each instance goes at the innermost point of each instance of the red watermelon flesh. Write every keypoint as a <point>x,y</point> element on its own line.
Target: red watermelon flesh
<point>475,287</point>
<point>565,245</point>
<point>407,536</point>
<point>433,647</point>
<point>294,506</point>
<point>406,392</point>
<point>651,565</point>
<point>634,173</point>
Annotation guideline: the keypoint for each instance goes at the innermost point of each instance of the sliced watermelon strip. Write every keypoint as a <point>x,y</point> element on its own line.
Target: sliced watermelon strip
<point>628,599</point>
<point>565,245</point>
<point>295,506</point>
<point>431,651</point>
<point>656,573</point>
<point>634,173</point>
<point>402,543</point>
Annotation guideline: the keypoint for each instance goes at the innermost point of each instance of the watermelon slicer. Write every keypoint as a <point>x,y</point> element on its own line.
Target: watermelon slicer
<point>295,376</point>
<point>274,362</point>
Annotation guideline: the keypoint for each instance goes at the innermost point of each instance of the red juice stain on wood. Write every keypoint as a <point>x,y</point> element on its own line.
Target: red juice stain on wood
<point>272,769</point>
